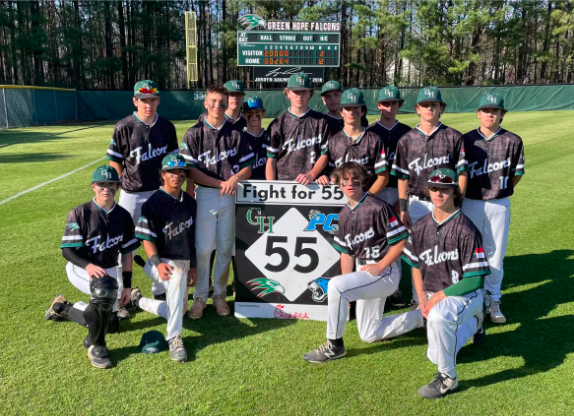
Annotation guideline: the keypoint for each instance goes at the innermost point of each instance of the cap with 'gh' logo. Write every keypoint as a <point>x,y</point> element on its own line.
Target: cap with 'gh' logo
<point>331,86</point>
<point>235,86</point>
<point>253,103</point>
<point>173,161</point>
<point>428,94</point>
<point>299,82</point>
<point>443,178</point>
<point>146,89</point>
<point>389,93</point>
<point>493,100</point>
<point>105,173</point>
<point>352,97</point>
<point>152,342</point>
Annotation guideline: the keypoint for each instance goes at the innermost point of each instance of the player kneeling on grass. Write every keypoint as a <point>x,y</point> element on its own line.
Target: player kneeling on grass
<point>371,236</point>
<point>446,254</point>
<point>96,233</point>
<point>167,229</point>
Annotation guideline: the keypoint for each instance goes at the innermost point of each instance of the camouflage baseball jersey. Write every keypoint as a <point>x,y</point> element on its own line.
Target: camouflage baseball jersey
<point>140,148</point>
<point>336,124</point>
<point>217,153</point>
<point>366,150</point>
<point>101,235</point>
<point>258,145</point>
<point>296,142</point>
<point>240,123</point>
<point>418,155</point>
<point>368,229</point>
<point>492,163</point>
<point>445,253</point>
<point>169,223</point>
<point>390,139</point>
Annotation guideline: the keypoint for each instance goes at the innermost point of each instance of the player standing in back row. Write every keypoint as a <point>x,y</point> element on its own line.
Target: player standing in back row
<point>495,166</point>
<point>297,137</point>
<point>255,136</point>
<point>429,146</point>
<point>390,130</point>
<point>139,143</point>
<point>331,94</point>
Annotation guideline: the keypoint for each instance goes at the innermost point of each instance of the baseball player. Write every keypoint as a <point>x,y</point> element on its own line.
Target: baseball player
<point>138,144</point>
<point>355,144</point>
<point>430,145</point>
<point>236,91</point>
<point>167,230</point>
<point>495,166</point>
<point>218,159</point>
<point>390,130</point>
<point>297,137</point>
<point>96,233</point>
<point>370,236</point>
<point>331,94</point>
<point>255,136</point>
<point>449,267</point>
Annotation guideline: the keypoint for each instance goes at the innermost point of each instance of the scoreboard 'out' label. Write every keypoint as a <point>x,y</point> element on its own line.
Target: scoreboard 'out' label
<point>269,48</point>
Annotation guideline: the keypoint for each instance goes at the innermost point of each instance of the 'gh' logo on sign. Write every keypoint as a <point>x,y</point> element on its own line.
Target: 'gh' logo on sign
<point>260,221</point>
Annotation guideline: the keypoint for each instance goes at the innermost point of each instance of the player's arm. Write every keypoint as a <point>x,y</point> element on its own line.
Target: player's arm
<point>380,183</point>
<point>320,165</point>
<point>190,186</point>
<point>463,181</point>
<point>229,186</point>
<point>418,284</point>
<point>519,168</point>
<point>117,166</point>
<point>201,178</point>
<point>347,263</point>
<point>515,180</point>
<point>117,149</point>
<point>381,167</point>
<point>401,171</point>
<point>164,270</point>
<point>146,232</point>
<point>271,169</point>
<point>403,202</point>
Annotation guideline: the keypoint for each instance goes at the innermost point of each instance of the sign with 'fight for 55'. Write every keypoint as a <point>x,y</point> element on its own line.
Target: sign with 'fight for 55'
<point>284,252</point>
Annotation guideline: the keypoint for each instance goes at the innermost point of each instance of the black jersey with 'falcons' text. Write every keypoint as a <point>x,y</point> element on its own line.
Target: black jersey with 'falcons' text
<point>390,138</point>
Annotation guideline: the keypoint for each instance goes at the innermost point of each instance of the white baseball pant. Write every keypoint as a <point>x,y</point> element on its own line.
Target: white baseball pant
<point>418,208</point>
<point>370,292</point>
<point>172,309</point>
<point>492,218</point>
<point>132,203</point>
<point>215,230</point>
<point>81,280</point>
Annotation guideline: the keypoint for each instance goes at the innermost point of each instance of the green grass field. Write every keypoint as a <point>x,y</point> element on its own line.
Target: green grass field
<point>245,367</point>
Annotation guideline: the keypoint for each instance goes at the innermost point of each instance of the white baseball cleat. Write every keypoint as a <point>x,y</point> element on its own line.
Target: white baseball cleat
<point>495,313</point>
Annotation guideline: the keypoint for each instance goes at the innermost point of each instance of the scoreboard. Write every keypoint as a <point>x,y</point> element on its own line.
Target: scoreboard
<point>287,48</point>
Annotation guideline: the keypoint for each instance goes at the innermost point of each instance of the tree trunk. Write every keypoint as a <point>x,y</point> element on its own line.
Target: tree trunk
<point>109,47</point>
<point>122,27</point>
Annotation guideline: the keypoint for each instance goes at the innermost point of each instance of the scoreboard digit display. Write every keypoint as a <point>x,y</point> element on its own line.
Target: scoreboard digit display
<point>272,48</point>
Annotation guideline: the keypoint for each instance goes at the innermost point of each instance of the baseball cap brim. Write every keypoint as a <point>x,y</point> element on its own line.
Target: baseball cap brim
<point>490,106</point>
<point>391,99</point>
<point>144,96</point>
<point>299,89</point>
<point>432,101</point>
<point>453,185</point>
<point>166,168</point>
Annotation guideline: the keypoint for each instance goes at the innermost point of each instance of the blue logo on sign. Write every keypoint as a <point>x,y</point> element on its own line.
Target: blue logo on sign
<point>322,219</point>
<point>319,289</point>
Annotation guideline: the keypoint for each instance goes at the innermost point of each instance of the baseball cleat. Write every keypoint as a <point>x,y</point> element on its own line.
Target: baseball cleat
<point>139,260</point>
<point>439,387</point>
<point>160,297</point>
<point>135,296</point>
<point>197,308</point>
<point>50,313</point>
<point>326,352</point>
<point>221,305</point>
<point>98,356</point>
<point>177,350</point>
<point>495,313</point>
<point>397,300</point>
<point>87,342</point>
<point>123,312</point>
<point>480,335</point>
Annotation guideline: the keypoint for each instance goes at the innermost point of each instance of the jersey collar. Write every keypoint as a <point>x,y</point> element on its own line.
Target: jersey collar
<point>333,117</point>
<point>491,137</point>
<point>437,128</point>
<point>143,122</point>
<point>383,126</point>
<point>101,209</point>
<point>180,199</point>
<point>449,219</point>
<point>209,126</point>
<point>302,116</point>
<point>358,139</point>
<point>231,119</point>
<point>359,203</point>
<point>251,134</point>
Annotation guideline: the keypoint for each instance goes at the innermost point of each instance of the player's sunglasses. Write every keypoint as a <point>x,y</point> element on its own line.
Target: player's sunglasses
<point>354,183</point>
<point>253,104</point>
<point>146,91</point>
<point>176,163</point>
<point>441,179</point>
<point>438,189</point>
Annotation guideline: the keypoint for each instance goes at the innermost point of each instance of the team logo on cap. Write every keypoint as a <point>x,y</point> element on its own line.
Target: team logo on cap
<point>106,173</point>
<point>388,92</point>
<point>428,92</point>
<point>251,21</point>
<point>300,80</point>
<point>491,98</point>
<point>352,97</point>
<point>235,85</point>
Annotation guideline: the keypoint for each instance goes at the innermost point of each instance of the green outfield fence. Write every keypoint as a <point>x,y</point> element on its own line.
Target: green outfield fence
<point>28,106</point>
<point>22,106</point>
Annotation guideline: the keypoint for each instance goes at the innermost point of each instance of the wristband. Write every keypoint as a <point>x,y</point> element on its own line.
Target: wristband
<point>402,204</point>
<point>127,279</point>
<point>155,260</point>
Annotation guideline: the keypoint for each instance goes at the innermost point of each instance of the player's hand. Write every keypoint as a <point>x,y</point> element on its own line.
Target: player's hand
<point>323,180</point>
<point>304,179</point>
<point>192,277</point>
<point>95,271</point>
<point>434,299</point>
<point>229,187</point>
<point>373,269</point>
<point>126,295</point>
<point>397,207</point>
<point>406,219</point>
<point>164,271</point>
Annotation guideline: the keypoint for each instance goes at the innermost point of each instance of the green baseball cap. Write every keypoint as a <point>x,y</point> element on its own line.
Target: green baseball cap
<point>428,94</point>
<point>299,82</point>
<point>331,86</point>
<point>173,161</point>
<point>389,93</point>
<point>352,97</point>
<point>493,100</point>
<point>235,86</point>
<point>443,178</point>
<point>146,89</point>
<point>105,173</point>
<point>253,103</point>
<point>152,342</point>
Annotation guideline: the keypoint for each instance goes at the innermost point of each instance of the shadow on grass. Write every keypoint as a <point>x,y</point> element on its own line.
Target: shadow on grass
<point>32,157</point>
<point>416,337</point>
<point>542,343</point>
<point>13,137</point>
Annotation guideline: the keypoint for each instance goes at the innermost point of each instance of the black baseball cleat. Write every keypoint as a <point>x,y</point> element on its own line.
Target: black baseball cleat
<point>397,300</point>
<point>480,335</point>
<point>135,297</point>
<point>51,314</point>
<point>439,387</point>
<point>98,356</point>
<point>139,260</point>
<point>326,352</point>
